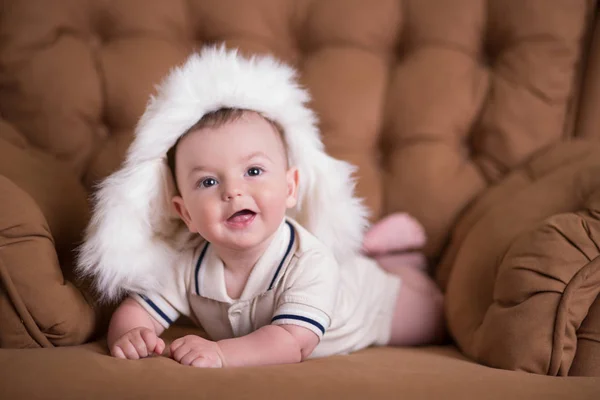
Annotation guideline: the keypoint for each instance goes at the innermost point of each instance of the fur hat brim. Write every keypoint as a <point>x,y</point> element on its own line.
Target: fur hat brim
<point>134,233</point>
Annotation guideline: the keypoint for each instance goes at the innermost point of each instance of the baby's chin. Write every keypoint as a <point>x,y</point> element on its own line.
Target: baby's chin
<point>240,247</point>
<point>245,241</point>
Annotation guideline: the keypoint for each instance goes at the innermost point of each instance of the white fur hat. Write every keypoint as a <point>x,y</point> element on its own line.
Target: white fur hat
<point>134,233</point>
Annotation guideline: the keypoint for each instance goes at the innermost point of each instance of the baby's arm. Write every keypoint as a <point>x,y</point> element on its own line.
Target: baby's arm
<point>133,333</point>
<point>271,344</point>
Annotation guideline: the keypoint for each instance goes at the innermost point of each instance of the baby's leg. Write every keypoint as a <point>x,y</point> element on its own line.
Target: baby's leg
<point>393,261</point>
<point>419,312</point>
<point>396,232</point>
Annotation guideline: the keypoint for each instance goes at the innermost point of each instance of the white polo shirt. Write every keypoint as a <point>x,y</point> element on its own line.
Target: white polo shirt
<point>296,281</point>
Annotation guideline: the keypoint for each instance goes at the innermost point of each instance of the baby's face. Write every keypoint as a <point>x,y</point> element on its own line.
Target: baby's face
<point>234,182</point>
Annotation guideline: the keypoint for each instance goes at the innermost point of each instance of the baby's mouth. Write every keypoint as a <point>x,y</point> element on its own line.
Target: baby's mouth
<point>241,216</point>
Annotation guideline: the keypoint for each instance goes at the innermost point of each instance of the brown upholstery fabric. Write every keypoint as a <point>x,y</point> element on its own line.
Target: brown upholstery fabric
<point>40,200</point>
<point>587,358</point>
<point>588,118</point>
<point>526,266</point>
<point>472,87</point>
<point>37,306</point>
<point>377,373</point>
<point>437,103</point>
<point>50,182</point>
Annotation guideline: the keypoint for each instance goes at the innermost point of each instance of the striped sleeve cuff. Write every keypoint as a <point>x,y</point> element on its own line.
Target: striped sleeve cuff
<point>158,307</point>
<point>301,315</point>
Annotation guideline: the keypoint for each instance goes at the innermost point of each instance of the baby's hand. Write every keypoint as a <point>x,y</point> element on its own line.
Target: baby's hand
<point>197,352</point>
<point>137,343</point>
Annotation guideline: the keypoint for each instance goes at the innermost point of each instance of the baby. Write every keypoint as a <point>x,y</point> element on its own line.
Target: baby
<point>264,288</point>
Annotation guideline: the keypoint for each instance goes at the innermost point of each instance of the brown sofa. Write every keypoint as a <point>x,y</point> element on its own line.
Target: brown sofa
<point>479,117</point>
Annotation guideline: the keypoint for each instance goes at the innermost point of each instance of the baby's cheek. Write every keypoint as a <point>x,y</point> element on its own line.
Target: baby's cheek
<point>206,214</point>
<point>273,197</point>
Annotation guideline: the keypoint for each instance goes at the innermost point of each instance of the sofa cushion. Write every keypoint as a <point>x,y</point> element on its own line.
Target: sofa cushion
<point>587,357</point>
<point>51,184</point>
<point>432,100</point>
<point>523,267</point>
<point>44,209</point>
<point>375,373</point>
<point>38,307</point>
<point>588,117</point>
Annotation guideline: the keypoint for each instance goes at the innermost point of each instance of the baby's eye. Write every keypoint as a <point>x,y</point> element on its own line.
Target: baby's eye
<point>208,182</point>
<point>254,171</point>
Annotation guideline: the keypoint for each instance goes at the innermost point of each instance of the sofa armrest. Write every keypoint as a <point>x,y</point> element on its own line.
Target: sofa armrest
<point>523,268</point>
<point>546,285</point>
<point>38,308</point>
<point>50,183</point>
<point>43,210</point>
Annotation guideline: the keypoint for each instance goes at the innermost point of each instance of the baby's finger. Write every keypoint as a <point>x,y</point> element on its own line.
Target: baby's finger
<point>176,344</point>
<point>160,346</point>
<point>149,339</point>
<point>190,357</point>
<point>140,346</point>
<point>130,351</point>
<point>202,362</point>
<point>180,352</point>
<point>117,352</point>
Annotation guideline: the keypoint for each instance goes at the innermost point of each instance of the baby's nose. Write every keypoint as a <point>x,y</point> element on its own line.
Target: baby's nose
<point>231,192</point>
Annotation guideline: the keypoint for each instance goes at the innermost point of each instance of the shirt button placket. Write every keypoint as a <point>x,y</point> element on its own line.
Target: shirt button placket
<point>234,319</point>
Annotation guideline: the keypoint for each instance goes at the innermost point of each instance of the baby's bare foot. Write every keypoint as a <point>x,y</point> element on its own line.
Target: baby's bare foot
<point>395,233</point>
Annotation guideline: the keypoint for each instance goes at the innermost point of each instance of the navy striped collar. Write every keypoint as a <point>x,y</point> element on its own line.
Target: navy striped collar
<point>209,279</point>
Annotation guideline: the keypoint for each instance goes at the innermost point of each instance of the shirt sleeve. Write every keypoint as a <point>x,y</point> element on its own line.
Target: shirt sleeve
<point>310,294</point>
<point>158,307</point>
<point>168,304</point>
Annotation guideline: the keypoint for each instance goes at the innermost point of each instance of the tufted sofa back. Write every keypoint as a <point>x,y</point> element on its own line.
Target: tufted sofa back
<point>433,100</point>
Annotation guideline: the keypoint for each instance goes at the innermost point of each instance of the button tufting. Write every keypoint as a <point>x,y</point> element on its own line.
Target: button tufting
<point>95,42</point>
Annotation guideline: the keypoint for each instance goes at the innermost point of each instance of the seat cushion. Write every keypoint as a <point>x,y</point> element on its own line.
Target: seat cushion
<point>378,373</point>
